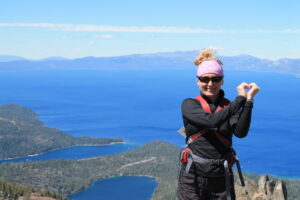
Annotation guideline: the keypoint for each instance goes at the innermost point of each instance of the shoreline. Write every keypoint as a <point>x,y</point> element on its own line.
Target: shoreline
<point>83,145</point>
<point>296,178</point>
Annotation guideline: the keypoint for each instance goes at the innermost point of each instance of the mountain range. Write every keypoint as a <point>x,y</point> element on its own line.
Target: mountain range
<point>167,60</point>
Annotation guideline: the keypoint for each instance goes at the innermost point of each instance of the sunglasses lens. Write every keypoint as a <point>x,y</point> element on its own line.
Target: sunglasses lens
<point>204,79</point>
<point>216,79</point>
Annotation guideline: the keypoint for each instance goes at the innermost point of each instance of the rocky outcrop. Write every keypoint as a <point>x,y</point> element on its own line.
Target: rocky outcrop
<point>264,189</point>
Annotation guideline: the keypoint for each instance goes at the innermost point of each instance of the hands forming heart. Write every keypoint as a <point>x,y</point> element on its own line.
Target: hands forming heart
<point>252,87</point>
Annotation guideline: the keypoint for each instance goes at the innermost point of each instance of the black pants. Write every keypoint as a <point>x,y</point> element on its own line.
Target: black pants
<point>193,187</point>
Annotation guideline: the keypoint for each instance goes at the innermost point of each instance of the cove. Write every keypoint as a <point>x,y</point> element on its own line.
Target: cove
<point>125,187</point>
<point>77,152</point>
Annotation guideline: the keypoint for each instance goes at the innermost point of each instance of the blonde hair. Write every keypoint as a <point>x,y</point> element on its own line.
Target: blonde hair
<point>206,54</point>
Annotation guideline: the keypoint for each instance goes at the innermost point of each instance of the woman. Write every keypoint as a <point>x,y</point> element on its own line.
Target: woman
<point>210,121</point>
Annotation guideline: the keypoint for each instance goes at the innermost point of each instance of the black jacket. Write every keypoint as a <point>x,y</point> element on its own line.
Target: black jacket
<point>233,119</point>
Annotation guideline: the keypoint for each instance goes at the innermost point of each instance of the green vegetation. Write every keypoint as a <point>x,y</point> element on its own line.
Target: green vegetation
<point>156,159</point>
<point>13,191</point>
<point>23,134</point>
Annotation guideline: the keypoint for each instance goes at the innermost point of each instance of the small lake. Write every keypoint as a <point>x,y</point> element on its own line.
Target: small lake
<point>126,187</point>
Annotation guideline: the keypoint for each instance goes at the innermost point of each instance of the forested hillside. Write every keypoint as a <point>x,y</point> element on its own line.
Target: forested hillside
<point>23,134</point>
<point>10,191</point>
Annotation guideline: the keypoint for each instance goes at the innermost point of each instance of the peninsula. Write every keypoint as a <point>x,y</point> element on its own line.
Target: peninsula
<point>23,134</point>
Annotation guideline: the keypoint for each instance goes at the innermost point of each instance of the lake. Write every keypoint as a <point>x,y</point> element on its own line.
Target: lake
<point>125,187</point>
<point>142,106</point>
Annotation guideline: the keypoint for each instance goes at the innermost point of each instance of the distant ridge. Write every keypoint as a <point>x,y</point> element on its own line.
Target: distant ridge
<point>8,58</point>
<point>53,58</point>
<point>167,60</point>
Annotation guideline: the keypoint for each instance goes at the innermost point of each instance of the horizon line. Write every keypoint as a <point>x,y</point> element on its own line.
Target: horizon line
<point>139,54</point>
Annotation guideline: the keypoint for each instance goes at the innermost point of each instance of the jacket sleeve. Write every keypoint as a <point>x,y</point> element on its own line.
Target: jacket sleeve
<point>193,112</point>
<point>240,122</point>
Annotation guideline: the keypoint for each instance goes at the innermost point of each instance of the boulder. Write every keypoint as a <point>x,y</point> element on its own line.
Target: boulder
<point>264,189</point>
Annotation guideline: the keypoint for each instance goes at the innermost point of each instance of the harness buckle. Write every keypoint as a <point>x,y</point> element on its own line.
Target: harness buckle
<point>190,140</point>
<point>217,161</point>
<point>185,155</point>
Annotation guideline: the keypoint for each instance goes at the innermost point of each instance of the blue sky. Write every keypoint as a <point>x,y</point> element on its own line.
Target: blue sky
<point>76,28</point>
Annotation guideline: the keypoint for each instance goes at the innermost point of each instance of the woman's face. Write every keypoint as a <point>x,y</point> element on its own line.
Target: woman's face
<point>209,87</point>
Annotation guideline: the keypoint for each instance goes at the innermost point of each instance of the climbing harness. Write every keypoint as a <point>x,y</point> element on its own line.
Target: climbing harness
<point>188,157</point>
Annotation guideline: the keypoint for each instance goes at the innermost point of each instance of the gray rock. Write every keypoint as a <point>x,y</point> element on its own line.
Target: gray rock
<point>264,189</point>
<point>280,192</point>
<point>262,184</point>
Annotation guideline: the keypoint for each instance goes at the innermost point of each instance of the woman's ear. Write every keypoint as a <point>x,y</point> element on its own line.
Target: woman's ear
<point>198,82</point>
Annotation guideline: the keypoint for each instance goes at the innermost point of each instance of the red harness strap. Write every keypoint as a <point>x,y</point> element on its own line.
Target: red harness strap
<point>207,109</point>
<point>197,135</point>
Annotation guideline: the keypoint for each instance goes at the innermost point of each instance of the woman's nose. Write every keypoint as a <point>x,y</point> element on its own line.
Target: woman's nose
<point>210,82</point>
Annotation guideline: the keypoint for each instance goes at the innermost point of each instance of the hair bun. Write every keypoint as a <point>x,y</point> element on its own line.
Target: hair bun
<point>206,54</point>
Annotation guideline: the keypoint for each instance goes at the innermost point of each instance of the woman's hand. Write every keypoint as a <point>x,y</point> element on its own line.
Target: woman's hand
<point>254,89</point>
<point>241,89</point>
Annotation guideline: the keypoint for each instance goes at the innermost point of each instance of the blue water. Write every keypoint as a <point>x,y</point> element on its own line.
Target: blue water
<point>126,187</point>
<point>142,106</point>
<point>77,152</point>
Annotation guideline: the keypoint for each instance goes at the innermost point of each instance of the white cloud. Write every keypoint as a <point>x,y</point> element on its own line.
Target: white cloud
<point>293,31</point>
<point>146,29</point>
<point>92,42</point>
<point>103,36</point>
